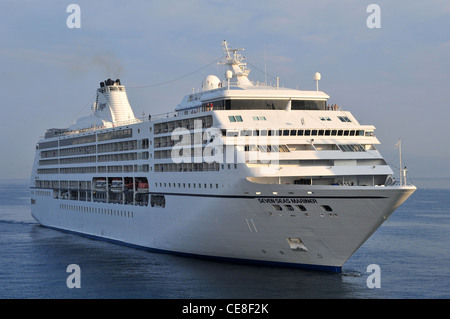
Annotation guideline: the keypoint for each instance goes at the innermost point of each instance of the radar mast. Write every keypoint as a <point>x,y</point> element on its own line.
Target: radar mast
<point>235,63</point>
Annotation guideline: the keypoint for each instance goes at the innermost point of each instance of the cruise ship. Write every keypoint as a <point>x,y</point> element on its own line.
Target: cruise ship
<point>240,171</point>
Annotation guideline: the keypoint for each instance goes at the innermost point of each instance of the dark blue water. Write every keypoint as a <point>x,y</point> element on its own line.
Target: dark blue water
<point>412,250</point>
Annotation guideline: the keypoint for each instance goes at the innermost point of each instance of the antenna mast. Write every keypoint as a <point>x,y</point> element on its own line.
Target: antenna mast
<point>235,63</point>
<point>402,170</point>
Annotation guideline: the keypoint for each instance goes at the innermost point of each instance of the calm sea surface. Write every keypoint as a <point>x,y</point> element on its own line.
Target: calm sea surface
<point>412,250</point>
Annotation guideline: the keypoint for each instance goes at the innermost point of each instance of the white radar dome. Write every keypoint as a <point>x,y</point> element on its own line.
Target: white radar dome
<point>317,76</point>
<point>211,82</point>
<point>228,74</point>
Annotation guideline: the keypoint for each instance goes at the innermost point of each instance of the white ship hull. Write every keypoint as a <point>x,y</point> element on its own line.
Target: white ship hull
<point>236,227</point>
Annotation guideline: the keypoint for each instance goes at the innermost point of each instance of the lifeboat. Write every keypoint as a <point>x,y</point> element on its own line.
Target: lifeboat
<point>116,185</point>
<point>100,185</point>
<point>142,187</point>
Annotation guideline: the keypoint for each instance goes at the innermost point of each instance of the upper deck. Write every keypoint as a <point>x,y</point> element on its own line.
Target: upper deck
<point>255,97</point>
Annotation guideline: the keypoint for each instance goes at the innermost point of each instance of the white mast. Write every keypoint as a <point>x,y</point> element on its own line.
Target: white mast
<point>317,78</point>
<point>402,171</point>
<point>236,65</point>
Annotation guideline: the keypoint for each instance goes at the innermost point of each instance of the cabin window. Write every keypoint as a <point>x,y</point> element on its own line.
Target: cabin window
<point>236,118</point>
<point>344,119</point>
<point>259,118</point>
<point>352,148</point>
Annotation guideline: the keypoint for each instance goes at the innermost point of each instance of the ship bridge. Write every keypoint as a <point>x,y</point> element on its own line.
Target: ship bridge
<point>237,92</point>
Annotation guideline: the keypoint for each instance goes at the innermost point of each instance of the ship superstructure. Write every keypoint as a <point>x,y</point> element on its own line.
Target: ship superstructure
<point>239,171</point>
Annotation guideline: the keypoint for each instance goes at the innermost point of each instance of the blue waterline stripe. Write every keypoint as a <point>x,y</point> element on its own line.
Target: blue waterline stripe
<point>252,196</point>
<point>265,196</point>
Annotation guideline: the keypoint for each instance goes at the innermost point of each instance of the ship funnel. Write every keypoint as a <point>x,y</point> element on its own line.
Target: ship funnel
<point>112,102</point>
<point>111,108</point>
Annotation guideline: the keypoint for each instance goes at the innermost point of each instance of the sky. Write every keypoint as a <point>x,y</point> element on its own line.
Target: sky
<point>395,77</point>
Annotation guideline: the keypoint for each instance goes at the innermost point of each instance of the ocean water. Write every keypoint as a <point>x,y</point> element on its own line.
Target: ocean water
<point>411,249</point>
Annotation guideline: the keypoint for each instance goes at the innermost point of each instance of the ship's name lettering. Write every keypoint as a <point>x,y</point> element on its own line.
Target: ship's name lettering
<point>287,200</point>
